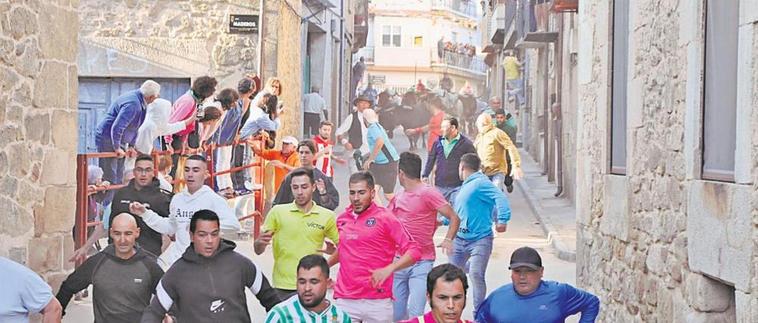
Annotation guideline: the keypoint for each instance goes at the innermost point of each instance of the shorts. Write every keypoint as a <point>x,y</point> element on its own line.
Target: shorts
<point>385,175</point>
<point>367,310</point>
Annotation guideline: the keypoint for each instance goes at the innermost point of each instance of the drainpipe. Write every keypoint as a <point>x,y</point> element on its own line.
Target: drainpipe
<point>557,108</point>
<point>260,41</point>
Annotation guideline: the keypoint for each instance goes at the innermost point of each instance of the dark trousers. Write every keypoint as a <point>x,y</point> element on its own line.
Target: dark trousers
<point>311,123</point>
<point>238,159</point>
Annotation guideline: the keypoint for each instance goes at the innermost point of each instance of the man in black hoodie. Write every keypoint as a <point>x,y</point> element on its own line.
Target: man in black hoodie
<point>144,188</point>
<point>123,276</point>
<point>207,284</point>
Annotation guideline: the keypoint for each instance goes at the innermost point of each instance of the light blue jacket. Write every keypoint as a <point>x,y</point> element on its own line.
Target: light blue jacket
<point>474,204</point>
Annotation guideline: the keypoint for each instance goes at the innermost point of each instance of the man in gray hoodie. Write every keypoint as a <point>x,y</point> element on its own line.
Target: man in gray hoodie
<point>208,283</point>
<point>123,276</point>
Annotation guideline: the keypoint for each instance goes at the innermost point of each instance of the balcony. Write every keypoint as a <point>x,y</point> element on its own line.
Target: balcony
<point>461,7</point>
<point>469,63</point>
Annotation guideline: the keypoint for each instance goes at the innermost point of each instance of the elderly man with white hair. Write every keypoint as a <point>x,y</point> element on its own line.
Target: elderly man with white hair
<point>383,157</point>
<point>117,132</point>
<point>492,145</point>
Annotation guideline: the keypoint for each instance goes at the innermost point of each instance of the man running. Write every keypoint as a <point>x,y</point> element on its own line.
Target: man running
<point>416,208</point>
<point>296,229</point>
<point>370,239</point>
<point>446,287</point>
<point>326,194</point>
<point>311,304</point>
<point>476,201</point>
<point>196,196</point>
<point>531,299</point>
<point>445,157</point>
<point>491,145</point>
<point>208,283</point>
<point>123,276</point>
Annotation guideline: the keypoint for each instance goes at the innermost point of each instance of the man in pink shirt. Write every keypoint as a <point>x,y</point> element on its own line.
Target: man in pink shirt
<point>370,238</point>
<point>416,208</point>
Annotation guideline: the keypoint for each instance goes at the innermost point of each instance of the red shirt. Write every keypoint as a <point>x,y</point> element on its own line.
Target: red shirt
<point>324,164</point>
<point>429,318</point>
<point>435,129</point>
<point>417,210</point>
<point>369,241</point>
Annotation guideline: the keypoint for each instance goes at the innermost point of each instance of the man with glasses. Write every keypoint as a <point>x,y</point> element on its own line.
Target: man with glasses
<point>143,188</point>
<point>325,195</point>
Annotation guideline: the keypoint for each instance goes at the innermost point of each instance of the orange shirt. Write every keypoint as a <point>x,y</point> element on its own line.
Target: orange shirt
<point>280,172</point>
<point>435,129</point>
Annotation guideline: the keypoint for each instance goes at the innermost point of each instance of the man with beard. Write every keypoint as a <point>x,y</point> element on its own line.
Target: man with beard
<point>373,245</point>
<point>208,283</point>
<point>296,229</point>
<point>123,276</point>
<point>446,287</point>
<point>326,194</point>
<point>311,304</point>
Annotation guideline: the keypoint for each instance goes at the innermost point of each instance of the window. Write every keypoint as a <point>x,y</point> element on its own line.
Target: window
<point>391,36</point>
<point>619,71</point>
<point>418,41</point>
<point>720,89</point>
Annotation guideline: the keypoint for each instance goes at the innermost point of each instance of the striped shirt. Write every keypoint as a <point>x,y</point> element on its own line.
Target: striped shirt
<point>324,164</point>
<point>292,311</point>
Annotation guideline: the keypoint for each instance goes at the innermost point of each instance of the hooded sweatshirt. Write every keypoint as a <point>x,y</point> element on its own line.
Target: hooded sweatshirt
<point>121,287</point>
<point>183,206</point>
<point>210,289</point>
<point>153,197</point>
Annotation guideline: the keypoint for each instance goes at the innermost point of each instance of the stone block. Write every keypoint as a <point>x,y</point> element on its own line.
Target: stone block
<point>63,135</point>
<point>708,295</point>
<point>28,62</point>
<point>701,317</point>
<point>22,22</point>
<point>18,255</point>
<point>73,90</point>
<point>57,212</point>
<point>16,221</point>
<point>45,254</point>
<point>746,307</point>
<point>59,168</point>
<point>29,194</point>
<point>37,127</point>
<point>8,187</point>
<point>656,260</point>
<point>713,210</point>
<point>68,250</point>
<point>55,280</point>
<point>616,215</point>
<point>52,89</point>
<point>60,39</point>
<point>20,163</point>
<point>6,51</point>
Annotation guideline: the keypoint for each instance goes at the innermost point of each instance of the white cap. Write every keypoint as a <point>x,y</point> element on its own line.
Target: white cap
<point>289,140</point>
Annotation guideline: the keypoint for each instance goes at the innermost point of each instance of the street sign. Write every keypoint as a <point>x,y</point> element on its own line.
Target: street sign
<point>243,24</point>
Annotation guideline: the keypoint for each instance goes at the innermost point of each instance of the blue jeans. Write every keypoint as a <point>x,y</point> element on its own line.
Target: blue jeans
<point>517,89</point>
<point>449,193</point>
<point>409,289</point>
<point>477,253</point>
<point>497,179</point>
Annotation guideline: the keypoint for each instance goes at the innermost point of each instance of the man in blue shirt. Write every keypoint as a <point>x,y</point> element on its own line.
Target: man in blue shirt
<point>24,293</point>
<point>475,202</point>
<point>117,132</point>
<point>531,299</point>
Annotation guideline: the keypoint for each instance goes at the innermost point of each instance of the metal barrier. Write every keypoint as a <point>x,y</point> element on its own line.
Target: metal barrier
<point>83,191</point>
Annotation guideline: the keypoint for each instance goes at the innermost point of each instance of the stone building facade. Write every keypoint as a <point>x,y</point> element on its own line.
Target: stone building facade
<point>38,122</point>
<point>659,242</point>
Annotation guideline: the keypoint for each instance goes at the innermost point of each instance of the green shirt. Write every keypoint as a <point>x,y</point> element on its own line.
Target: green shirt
<point>297,235</point>
<point>447,145</point>
<point>291,311</point>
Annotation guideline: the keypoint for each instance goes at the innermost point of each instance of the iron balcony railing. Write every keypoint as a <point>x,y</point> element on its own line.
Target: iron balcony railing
<point>465,7</point>
<point>472,63</point>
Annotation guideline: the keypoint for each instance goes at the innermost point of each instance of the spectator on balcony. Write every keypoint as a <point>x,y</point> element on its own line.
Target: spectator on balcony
<point>357,75</point>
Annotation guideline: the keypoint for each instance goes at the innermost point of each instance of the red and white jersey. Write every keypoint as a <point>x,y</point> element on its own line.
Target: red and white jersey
<point>324,163</point>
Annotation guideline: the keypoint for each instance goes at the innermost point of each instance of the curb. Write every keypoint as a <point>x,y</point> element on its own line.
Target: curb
<point>564,253</point>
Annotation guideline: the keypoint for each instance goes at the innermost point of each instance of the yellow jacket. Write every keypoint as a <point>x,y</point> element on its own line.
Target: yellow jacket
<point>491,145</point>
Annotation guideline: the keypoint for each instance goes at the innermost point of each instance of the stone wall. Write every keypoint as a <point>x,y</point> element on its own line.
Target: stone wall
<point>166,38</point>
<point>660,244</point>
<point>38,125</point>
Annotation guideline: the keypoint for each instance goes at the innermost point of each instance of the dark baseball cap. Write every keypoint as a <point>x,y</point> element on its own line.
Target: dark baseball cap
<point>525,257</point>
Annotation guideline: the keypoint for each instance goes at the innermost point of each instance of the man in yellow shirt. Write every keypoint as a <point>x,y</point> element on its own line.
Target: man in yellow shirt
<point>513,76</point>
<point>296,230</point>
<point>491,145</point>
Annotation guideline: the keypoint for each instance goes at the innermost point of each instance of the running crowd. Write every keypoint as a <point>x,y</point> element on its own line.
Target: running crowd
<point>168,261</point>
